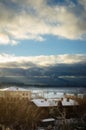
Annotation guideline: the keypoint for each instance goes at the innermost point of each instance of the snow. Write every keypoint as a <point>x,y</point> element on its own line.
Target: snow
<point>51,102</point>
<point>48,120</point>
<point>13,88</point>
<point>69,103</point>
<point>43,102</point>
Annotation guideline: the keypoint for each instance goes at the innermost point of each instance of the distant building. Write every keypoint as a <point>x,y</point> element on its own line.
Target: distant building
<point>48,94</point>
<point>13,94</point>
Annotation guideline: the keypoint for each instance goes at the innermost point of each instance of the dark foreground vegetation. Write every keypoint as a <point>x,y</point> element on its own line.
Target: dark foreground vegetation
<point>22,114</point>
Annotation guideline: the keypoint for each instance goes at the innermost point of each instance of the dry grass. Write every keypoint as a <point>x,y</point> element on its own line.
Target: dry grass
<point>20,113</point>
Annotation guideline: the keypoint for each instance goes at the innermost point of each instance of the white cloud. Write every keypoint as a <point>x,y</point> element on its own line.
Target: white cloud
<point>30,19</point>
<point>42,60</point>
<point>4,39</point>
<point>13,42</point>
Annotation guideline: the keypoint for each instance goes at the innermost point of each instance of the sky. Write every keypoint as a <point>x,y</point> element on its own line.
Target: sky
<point>44,32</point>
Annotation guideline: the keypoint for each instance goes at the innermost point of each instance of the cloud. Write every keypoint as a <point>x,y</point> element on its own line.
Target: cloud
<point>4,39</point>
<point>30,19</point>
<point>83,3</point>
<point>12,61</point>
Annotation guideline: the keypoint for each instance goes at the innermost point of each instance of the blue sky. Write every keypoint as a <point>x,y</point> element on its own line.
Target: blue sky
<point>51,46</point>
<point>42,28</point>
